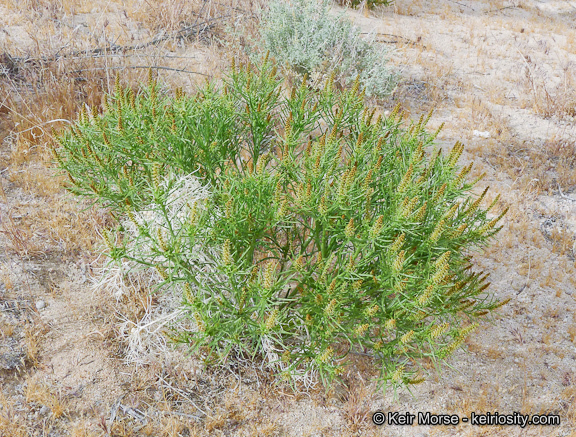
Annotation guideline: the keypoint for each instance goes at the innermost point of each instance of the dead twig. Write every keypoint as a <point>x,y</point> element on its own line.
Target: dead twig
<point>564,195</point>
<point>501,9</point>
<point>407,40</point>
<point>463,5</point>
<point>184,395</point>
<point>147,67</point>
<point>186,32</point>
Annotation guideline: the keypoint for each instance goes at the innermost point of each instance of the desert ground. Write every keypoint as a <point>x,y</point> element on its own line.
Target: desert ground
<point>501,77</point>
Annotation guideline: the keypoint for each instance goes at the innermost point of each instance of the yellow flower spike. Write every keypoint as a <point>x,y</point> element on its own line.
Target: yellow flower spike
<point>435,236</point>
<point>357,284</point>
<point>299,263</point>
<point>261,164</point>
<point>421,211</point>
<point>316,170</point>
<point>322,207</point>
<point>400,285</point>
<point>226,255</point>
<point>188,293</point>
<point>416,380</point>
<point>398,374</point>
<point>361,329</point>
<point>494,202</point>
<point>405,180</point>
<point>407,210</point>
<point>420,315</point>
<point>377,227</point>
<point>442,260</point>
<point>450,213</point>
<point>406,338</point>
<point>162,272</point>
<point>349,231</point>
<point>476,203</point>
<point>356,85</point>
<point>269,275</point>
<point>465,305</point>
<point>455,153</point>
<point>108,239</point>
<point>378,163</point>
<point>460,230</point>
<point>161,240</point>
<point>329,310</point>
<point>342,184</point>
<point>439,330</point>
<point>308,190</point>
<point>460,178</point>
<point>488,226</point>
<point>360,139</point>
<point>351,262</point>
<point>271,320</point>
<point>378,147</point>
<point>399,262</point>
<point>502,303</point>
<point>439,194</point>
<point>288,127</point>
<point>418,153</point>
<point>466,331</point>
<point>367,180</point>
<point>426,295</point>
<point>372,310</point>
<point>439,276</point>
<point>326,355</point>
<point>404,203</point>
<point>193,214</point>
<point>228,210</point>
<point>351,175</point>
<point>390,324</point>
<point>199,322</point>
<point>281,213</point>
<point>450,348</point>
<point>332,286</point>
<point>398,242</point>
<point>156,175</point>
<point>286,356</point>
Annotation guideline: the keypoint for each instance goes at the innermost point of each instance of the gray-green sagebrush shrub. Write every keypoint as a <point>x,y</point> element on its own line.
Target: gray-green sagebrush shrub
<point>369,3</point>
<point>306,37</point>
<point>296,226</point>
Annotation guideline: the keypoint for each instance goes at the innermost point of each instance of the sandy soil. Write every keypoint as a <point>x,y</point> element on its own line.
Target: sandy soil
<point>500,76</point>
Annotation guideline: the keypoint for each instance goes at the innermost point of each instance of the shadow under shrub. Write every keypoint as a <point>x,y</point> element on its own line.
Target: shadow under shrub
<point>295,224</point>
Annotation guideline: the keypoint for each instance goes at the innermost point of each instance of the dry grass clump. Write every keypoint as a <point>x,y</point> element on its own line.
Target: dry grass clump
<point>550,96</point>
<point>546,167</point>
<point>12,423</point>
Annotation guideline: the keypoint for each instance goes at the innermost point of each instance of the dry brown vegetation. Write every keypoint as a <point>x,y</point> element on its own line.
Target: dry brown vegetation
<point>503,69</point>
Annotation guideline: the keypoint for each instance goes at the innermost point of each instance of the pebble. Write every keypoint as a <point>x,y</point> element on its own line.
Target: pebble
<point>40,304</point>
<point>44,410</point>
<point>481,134</point>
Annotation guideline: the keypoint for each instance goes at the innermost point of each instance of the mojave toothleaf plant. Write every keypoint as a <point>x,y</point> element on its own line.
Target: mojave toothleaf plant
<point>296,225</point>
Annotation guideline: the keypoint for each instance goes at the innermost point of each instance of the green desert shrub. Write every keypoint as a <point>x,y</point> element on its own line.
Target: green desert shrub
<point>369,3</point>
<point>295,225</point>
<point>307,38</point>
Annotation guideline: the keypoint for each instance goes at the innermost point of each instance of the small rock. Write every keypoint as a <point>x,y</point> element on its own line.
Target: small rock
<point>40,304</point>
<point>44,410</point>
<point>482,134</point>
